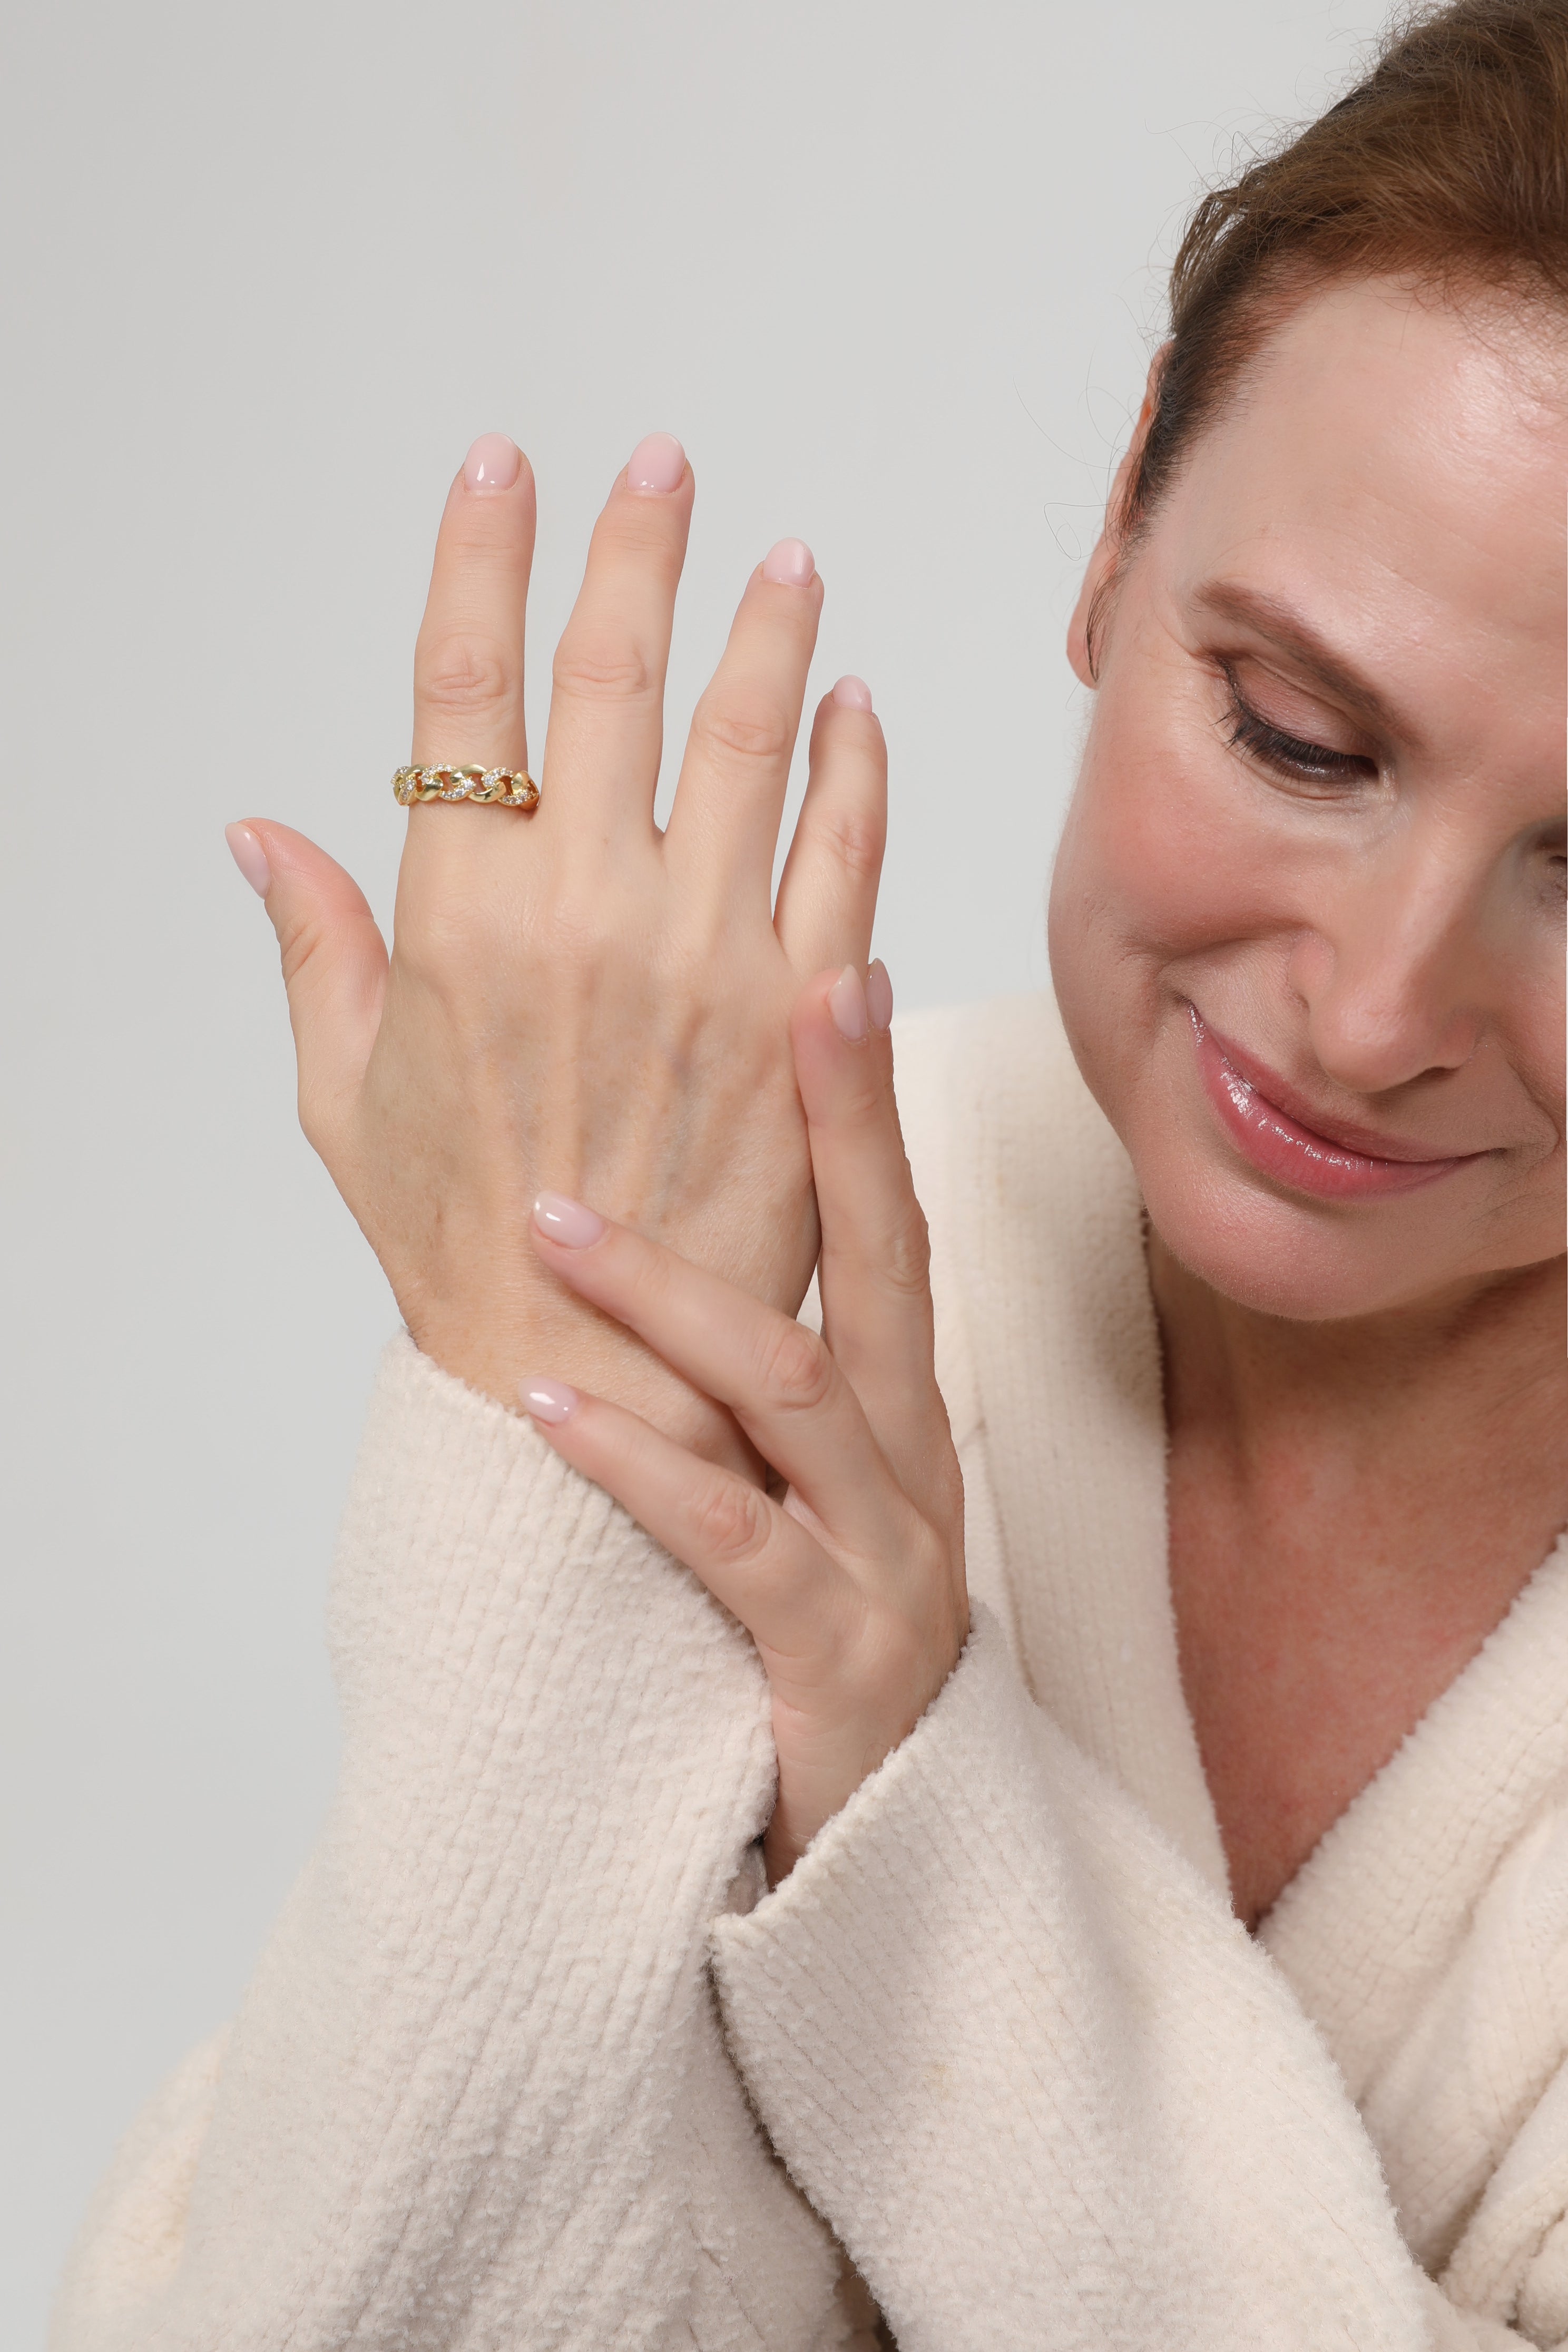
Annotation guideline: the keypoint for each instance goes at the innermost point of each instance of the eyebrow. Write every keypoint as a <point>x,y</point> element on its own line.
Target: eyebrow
<point>1271,617</point>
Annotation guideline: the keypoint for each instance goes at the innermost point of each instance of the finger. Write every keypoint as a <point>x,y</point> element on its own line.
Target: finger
<point>874,1270</point>
<point>754,1557</point>
<point>468,659</point>
<point>724,826</point>
<point>777,1377</point>
<point>606,707</point>
<point>334,963</point>
<point>827,894</point>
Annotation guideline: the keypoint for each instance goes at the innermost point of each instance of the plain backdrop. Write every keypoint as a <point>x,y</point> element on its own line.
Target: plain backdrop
<point>892,270</point>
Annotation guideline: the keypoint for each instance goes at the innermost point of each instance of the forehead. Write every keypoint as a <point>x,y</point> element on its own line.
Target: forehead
<point>1398,469</point>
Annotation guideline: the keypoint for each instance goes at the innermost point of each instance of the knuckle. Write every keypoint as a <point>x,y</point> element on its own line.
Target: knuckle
<point>602,668</point>
<point>463,675</point>
<point>749,733</point>
<point>906,1251</point>
<point>647,533</point>
<point>732,1522</point>
<point>298,940</point>
<point>796,1369</point>
<point>855,840</point>
<point>443,936</point>
<point>441,959</point>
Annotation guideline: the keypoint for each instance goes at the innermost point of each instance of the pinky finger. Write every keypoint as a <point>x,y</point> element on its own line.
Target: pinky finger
<point>827,894</point>
<point>754,1558</point>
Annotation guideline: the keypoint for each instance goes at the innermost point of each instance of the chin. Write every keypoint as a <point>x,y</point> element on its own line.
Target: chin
<point>1301,1263</point>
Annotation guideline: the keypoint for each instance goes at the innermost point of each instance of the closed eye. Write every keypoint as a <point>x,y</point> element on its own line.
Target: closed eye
<point>1288,755</point>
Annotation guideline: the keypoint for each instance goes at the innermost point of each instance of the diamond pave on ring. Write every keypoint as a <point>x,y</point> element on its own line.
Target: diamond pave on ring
<point>499,787</point>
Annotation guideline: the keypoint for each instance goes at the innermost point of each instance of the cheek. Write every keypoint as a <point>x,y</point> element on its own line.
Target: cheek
<point>1542,1058</point>
<point>1163,859</point>
<point>1539,1065</point>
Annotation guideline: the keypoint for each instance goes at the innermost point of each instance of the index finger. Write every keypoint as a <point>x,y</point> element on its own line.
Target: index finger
<point>468,659</point>
<point>776,1377</point>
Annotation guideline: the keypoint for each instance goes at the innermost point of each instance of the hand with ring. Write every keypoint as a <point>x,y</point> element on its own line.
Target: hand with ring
<point>576,1001</point>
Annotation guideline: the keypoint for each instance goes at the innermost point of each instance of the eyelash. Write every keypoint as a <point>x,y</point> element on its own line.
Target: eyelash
<point>1288,755</point>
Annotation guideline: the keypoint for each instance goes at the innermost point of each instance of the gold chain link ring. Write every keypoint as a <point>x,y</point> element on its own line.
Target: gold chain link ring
<point>497,787</point>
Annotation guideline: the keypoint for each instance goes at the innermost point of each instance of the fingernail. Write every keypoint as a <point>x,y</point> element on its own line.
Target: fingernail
<point>657,463</point>
<point>549,1401</point>
<point>790,565</point>
<point>879,996</point>
<point>846,1003</point>
<point>492,463</point>
<point>567,1222</point>
<point>250,856</point>
<point>852,694</point>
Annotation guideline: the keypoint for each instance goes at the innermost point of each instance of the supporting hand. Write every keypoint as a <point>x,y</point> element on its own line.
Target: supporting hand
<point>851,1583</point>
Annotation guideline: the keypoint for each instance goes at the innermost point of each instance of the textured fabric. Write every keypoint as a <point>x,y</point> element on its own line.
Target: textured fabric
<point>1045,2085</point>
<point>1000,2024</point>
<point>476,2096</point>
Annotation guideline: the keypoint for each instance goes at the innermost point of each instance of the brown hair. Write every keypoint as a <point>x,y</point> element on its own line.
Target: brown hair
<point>1447,164</point>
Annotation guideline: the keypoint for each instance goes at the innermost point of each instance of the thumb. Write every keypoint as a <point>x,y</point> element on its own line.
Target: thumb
<point>334,960</point>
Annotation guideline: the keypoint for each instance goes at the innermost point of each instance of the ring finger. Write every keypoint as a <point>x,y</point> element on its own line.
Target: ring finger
<point>724,827</point>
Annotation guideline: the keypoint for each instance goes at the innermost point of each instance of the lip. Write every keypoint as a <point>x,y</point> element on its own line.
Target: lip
<point>1259,1113</point>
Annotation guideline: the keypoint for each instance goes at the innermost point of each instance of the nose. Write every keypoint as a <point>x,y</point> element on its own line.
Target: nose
<point>1395,971</point>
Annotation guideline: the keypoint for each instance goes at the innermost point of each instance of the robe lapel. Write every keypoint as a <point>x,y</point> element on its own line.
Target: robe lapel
<point>1043,1227</point>
<point>1066,1365</point>
<point>1377,1912</point>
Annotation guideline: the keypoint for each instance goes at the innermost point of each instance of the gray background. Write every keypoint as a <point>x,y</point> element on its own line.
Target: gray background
<point>892,272</point>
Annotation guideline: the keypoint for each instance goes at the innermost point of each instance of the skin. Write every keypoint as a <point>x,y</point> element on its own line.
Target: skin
<point>850,1581</point>
<point>574,999</point>
<point>1365,1396</point>
<point>1366,1399</point>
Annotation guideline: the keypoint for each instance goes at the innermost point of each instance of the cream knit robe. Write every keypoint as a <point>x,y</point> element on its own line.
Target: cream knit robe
<point>1000,2025</point>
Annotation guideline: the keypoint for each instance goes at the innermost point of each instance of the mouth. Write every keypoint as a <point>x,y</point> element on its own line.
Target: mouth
<point>1351,1164</point>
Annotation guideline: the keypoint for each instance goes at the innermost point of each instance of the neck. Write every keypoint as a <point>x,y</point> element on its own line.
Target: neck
<point>1468,1388</point>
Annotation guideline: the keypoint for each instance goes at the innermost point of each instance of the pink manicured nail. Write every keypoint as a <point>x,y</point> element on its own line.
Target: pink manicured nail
<point>250,856</point>
<point>790,565</point>
<point>549,1401</point>
<point>878,995</point>
<point>657,463</point>
<point>567,1222</point>
<point>492,463</point>
<point>852,694</point>
<point>846,1003</point>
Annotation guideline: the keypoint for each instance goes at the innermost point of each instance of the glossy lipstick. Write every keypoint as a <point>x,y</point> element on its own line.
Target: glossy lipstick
<point>1280,1146</point>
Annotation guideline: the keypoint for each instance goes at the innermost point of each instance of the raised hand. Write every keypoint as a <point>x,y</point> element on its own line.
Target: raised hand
<point>852,1585</point>
<point>575,999</point>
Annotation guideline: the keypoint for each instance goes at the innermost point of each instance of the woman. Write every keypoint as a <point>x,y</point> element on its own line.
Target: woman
<point>1172,1948</point>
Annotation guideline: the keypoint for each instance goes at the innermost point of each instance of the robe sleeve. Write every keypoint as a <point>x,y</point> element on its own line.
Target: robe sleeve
<point>1042,2084</point>
<point>475,2095</point>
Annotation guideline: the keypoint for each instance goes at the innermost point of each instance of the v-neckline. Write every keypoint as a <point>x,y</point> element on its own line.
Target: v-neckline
<point>1066,1361</point>
<point>1378,1905</point>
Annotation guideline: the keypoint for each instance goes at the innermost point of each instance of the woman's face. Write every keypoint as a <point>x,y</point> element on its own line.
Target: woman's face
<point>1307,916</point>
